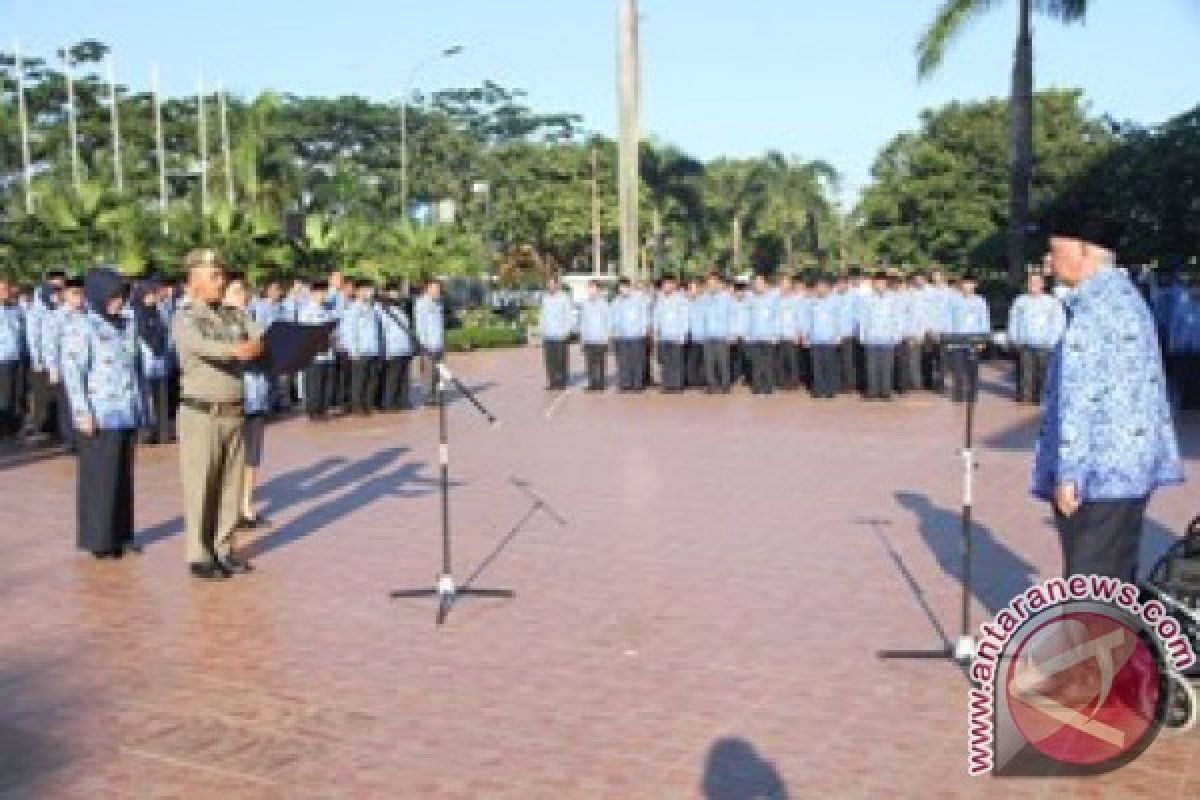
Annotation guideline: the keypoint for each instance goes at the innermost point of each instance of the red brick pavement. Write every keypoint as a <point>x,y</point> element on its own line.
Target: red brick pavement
<point>705,624</point>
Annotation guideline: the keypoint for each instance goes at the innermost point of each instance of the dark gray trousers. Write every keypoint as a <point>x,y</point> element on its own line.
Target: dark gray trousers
<point>1032,365</point>
<point>594,356</point>
<point>716,365</point>
<point>555,354</point>
<point>881,369</point>
<point>1102,538</point>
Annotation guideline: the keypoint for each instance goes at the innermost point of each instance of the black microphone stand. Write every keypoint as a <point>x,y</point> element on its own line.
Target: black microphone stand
<point>445,590</point>
<point>963,649</point>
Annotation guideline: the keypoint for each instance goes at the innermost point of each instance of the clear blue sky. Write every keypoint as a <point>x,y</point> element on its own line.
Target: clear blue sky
<point>833,80</point>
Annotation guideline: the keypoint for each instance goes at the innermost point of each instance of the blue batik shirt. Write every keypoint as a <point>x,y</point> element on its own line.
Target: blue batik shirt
<point>1106,425</point>
<point>595,321</point>
<point>672,318</point>
<point>431,327</point>
<point>1185,327</point>
<point>54,327</point>
<point>102,374</point>
<point>12,333</point>
<point>826,328</point>
<point>557,316</point>
<point>1036,321</point>
<point>696,317</point>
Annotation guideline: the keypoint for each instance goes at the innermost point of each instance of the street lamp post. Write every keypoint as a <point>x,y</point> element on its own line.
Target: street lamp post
<point>449,52</point>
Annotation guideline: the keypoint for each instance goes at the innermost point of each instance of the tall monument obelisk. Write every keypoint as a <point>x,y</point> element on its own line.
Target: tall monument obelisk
<point>629,104</point>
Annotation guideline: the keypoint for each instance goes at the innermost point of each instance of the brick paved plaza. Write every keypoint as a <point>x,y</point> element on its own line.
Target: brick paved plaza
<point>704,624</point>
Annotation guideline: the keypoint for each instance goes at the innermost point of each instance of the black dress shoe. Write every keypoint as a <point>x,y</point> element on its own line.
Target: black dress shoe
<point>208,572</point>
<point>236,565</point>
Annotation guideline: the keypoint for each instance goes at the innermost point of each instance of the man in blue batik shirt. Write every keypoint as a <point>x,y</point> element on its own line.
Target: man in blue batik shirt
<point>716,310</point>
<point>672,320</point>
<point>1184,348</point>
<point>969,315</point>
<point>12,351</point>
<point>1107,440</point>
<point>879,331</point>
<point>1035,324</point>
<point>630,328</point>
<point>556,320</point>
<point>361,337</point>
<point>595,331</point>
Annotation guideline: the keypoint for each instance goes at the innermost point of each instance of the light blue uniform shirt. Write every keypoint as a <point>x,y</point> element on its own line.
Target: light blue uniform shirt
<point>826,327</point>
<point>1036,321</point>
<point>716,311</point>
<point>359,332</point>
<point>630,317</point>
<point>264,311</point>
<point>431,326</point>
<point>12,333</point>
<point>311,313</point>
<point>763,324</point>
<point>970,315</point>
<point>672,318</point>
<point>739,316</point>
<point>257,395</point>
<point>102,373</point>
<point>557,316</point>
<point>1185,328</point>
<point>937,306</point>
<point>696,317</point>
<point>879,323</point>
<point>1107,425</point>
<point>595,321</point>
<point>791,310</point>
<point>396,341</point>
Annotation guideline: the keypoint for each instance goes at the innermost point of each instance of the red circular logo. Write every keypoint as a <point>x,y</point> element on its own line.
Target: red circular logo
<point>1084,688</point>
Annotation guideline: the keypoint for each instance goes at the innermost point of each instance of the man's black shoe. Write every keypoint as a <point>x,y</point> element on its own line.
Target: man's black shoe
<point>208,572</point>
<point>237,566</point>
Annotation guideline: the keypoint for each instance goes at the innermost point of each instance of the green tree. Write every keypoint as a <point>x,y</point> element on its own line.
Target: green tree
<point>940,194</point>
<point>947,25</point>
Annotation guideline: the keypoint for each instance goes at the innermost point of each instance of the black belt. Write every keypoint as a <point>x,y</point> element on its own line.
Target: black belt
<point>232,408</point>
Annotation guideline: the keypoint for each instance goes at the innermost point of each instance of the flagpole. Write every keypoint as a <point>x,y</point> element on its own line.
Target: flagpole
<point>116,124</point>
<point>160,150</point>
<point>224,112</point>
<point>22,116</point>
<point>72,121</point>
<point>203,149</point>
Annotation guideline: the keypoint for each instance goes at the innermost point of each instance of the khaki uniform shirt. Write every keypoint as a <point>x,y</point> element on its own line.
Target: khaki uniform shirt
<point>204,337</point>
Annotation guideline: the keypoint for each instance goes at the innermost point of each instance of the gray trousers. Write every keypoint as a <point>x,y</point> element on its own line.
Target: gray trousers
<point>670,357</point>
<point>594,358</point>
<point>631,364</point>
<point>1032,364</point>
<point>716,364</point>
<point>556,356</point>
<point>212,453</point>
<point>1102,538</point>
<point>429,376</point>
<point>881,370</point>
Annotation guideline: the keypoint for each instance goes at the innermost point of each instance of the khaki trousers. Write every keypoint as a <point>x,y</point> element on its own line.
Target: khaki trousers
<point>212,457</point>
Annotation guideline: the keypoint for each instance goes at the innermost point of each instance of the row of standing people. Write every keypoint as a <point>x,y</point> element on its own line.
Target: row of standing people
<point>877,335</point>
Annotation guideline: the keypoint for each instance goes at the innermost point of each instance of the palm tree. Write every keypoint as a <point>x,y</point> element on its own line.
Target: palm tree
<point>950,20</point>
<point>737,189</point>
<point>796,198</point>
<point>672,182</point>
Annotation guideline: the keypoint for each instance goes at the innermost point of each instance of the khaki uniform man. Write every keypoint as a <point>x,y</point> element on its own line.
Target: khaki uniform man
<point>214,345</point>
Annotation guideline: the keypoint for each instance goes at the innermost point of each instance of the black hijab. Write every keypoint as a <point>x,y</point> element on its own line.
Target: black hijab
<point>100,285</point>
<point>150,326</point>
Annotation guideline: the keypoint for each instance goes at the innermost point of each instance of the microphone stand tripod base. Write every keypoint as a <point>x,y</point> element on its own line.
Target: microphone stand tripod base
<point>447,593</point>
<point>964,650</point>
